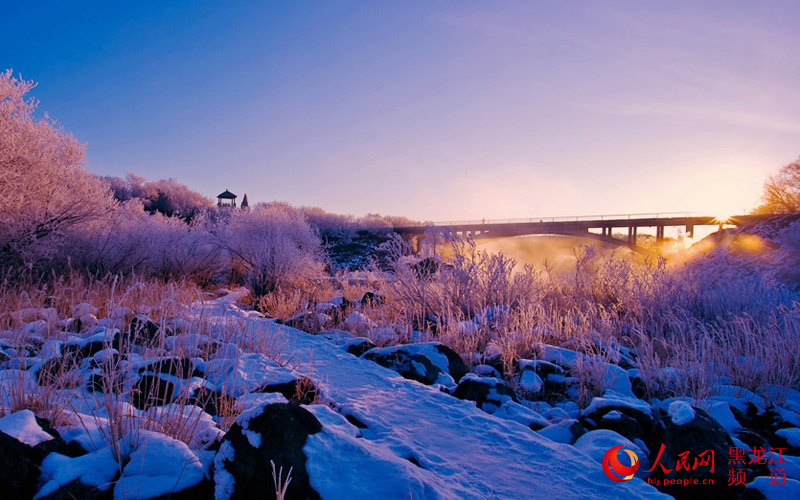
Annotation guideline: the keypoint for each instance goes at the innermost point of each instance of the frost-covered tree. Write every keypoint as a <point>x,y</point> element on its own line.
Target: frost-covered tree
<point>274,246</point>
<point>782,191</point>
<point>165,196</point>
<point>44,191</point>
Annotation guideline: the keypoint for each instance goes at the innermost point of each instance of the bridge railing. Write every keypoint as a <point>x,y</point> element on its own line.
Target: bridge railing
<point>572,218</point>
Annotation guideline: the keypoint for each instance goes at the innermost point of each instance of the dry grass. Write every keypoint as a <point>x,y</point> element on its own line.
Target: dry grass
<point>708,323</point>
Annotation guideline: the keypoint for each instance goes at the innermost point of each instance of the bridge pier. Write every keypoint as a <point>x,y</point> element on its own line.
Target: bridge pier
<point>689,230</point>
<point>659,233</point>
<point>632,235</point>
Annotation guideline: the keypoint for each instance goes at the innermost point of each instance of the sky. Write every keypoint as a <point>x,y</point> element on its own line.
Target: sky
<point>434,110</point>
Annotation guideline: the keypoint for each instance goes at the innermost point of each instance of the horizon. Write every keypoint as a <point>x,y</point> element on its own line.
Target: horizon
<point>429,111</point>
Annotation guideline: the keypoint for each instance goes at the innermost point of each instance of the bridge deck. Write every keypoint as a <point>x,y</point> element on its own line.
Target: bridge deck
<point>577,225</point>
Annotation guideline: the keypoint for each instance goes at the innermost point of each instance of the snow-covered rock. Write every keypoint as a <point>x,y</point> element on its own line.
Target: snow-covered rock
<point>774,491</point>
<point>597,443</point>
<point>488,392</point>
<point>681,413</point>
<point>158,466</point>
<point>422,362</point>
<point>265,435</point>
<point>24,443</point>
<point>563,431</point>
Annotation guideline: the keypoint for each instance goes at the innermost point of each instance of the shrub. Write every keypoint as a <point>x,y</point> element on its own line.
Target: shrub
<point>274,247</point>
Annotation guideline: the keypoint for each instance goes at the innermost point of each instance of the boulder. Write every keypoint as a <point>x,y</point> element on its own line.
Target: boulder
<point>77,489</point>
<point>151,390</point>
<point>423,362</point>
<point>301,390</point>
<point>371,299</point>
<point>788,438</point>
<point>358,346</point>
<point>142,331</point>
<point>160,468</point>
<point>697,435</point>
<point>596,443</point>
<point>178,367</point>
<point>25,441</point>
<point>488,392</point>
<point>426,267</point>
<point>638,410</point>
<point>265,435</point>
<point>622,424</point>
<point>564,431</point>
<point>54,370</point>
<point>486,371</point>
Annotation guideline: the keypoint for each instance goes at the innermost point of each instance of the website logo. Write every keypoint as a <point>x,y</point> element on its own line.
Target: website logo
<point>613,467</point>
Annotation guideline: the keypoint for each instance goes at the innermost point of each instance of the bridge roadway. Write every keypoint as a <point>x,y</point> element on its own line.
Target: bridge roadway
<point>576,226</point>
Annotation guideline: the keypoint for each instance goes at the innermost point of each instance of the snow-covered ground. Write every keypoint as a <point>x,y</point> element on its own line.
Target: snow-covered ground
<point>462,451</point>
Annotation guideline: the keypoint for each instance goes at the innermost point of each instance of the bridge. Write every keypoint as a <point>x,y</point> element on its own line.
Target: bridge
<point>599,227</point>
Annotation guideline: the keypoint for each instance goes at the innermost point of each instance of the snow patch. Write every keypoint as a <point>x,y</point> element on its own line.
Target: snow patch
<point>22,426</point>
<point>681,412</point>
<point>791,435</point>
<point>94,469</point>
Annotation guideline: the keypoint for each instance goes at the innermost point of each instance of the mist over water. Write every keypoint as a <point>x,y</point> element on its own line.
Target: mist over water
<point>556,251</point>
<point>559,251</point>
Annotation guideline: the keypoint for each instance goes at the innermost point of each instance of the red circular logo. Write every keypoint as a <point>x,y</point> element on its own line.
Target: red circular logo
<point>621,473</point>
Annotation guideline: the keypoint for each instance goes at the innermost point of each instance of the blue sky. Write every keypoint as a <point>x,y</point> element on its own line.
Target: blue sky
<point>433,110</point>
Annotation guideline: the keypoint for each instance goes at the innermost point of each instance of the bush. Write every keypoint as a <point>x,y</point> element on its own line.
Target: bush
<point>274,247</point>
<point>128,240</point>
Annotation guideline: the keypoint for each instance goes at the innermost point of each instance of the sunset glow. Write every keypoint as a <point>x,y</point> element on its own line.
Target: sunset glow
<point>431,111</point>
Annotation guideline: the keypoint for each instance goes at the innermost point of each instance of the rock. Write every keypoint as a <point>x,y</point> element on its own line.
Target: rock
<point>24,442</point>
<point>142,331</point>
<point>371,299</point>
<point>91,348</point>
<point>204,490</point>
<point>597,443</point>
<point>105,381</point>
<point>486,371</point>
<point>621,424</point>
<point>761,488</point>
<point>540,367</point>
<point>301,391</point>
<point>638,410</point>
<point>358,346</point>
<point>307,321</point>
<point>788,438</point>
<point>54,370</point>
<point>178,367</point>
<point>151,390</point>
<point>530,382</point>
<point>160,468</point>
<point>565,431</point>
<point>426,267</point>
<point>700,435</point>
<point>76,489</point>
<point>422,362</point>
<point>274,433</point>
<point>490,393</point>
<point>522,414</point>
